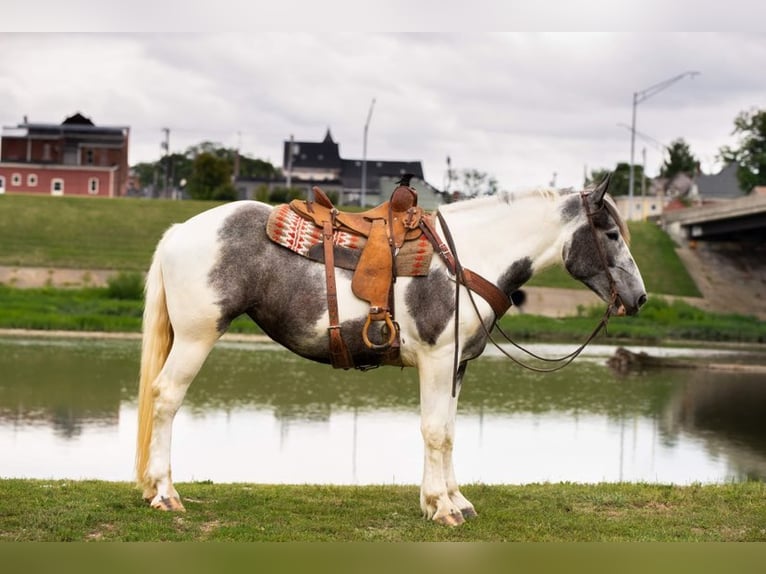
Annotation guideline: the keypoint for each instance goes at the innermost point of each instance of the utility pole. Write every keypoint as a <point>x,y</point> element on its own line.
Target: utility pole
<point>290,161</point>
<point>362,201</point>
<point>643,184</point>
<point>166,147</point>
<point>639,97</point>
<point>235,175</point>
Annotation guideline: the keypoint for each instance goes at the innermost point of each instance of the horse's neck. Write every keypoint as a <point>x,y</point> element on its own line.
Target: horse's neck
<point>492,234</point>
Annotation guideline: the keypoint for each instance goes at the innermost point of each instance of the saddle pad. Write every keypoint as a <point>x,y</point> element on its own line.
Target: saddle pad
<point>287,228</point>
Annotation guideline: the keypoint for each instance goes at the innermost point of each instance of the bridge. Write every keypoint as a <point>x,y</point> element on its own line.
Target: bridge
<point>738,219</point>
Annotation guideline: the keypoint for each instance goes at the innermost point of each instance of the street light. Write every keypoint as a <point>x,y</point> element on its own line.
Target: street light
<point>654,142</point>
<point>364,155</point>
<point>639,97</point>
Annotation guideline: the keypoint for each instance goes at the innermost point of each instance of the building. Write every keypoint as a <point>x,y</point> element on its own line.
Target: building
<point>75,157</point>
<point>682,191</point>
<point>306,164</point>
<point>721,186</point>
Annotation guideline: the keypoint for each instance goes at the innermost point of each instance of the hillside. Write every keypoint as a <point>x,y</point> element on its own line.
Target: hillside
<point>56,234</point>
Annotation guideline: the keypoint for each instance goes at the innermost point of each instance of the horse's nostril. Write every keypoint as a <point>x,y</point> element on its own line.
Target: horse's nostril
<point>641,300</point>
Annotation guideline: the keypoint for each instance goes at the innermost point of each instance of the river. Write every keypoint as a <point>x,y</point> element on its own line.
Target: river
<point>257,413</point>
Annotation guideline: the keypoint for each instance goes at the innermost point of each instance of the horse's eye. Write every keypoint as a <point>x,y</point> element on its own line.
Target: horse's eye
<point>613,235</point>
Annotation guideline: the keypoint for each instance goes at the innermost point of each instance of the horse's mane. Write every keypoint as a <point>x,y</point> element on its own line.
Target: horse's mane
<point>507,197</point>
<point>546,193</point>
<point>611,208</point>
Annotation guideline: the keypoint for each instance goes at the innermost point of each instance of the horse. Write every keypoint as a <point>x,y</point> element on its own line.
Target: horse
<point>220,264</point>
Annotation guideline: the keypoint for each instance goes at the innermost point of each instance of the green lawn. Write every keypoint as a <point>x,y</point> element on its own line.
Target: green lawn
<point>86,233</point>
<point>45,510</point>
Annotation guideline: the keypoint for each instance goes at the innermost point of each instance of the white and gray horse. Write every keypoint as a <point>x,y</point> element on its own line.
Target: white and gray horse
<point>220,264</point>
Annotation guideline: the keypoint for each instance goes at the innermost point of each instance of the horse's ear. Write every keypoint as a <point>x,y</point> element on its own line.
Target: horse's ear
<point>597,196</point>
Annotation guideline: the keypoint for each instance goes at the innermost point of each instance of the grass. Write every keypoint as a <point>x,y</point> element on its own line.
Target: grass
<point>121,234</point>
<point>659,320</point>
<point>86,233</point>
<point>655,255</point>
<point>36,510</point>
<point>106,309</point>
<point>88,309</point>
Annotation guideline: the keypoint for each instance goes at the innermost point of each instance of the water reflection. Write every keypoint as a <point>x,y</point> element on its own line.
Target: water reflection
<point>67,409</point>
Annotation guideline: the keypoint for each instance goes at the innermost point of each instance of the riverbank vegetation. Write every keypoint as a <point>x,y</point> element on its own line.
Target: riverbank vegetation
<point>119,307</point>
<point>54,510</point>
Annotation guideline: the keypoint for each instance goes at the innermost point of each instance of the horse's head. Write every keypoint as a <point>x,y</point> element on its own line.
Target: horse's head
<point>597,252</point>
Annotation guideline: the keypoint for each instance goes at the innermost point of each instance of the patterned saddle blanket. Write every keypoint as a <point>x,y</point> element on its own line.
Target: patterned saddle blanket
<point>287,228</point>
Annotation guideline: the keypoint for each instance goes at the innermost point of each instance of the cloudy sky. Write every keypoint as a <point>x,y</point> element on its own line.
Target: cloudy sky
<point>520,106</point>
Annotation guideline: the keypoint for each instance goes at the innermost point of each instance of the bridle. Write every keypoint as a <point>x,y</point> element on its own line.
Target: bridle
<point>565,360</point>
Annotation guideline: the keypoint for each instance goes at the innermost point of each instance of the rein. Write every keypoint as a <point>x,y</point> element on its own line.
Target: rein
<point>460,271</point>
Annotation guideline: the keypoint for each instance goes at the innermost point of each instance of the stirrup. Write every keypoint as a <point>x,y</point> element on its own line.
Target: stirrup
<point>391,330</point>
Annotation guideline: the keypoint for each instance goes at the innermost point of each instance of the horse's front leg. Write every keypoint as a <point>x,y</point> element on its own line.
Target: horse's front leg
<point>465,505</point>
<point>439,492</point>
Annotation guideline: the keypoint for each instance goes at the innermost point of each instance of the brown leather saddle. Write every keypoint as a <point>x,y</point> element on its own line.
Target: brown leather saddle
<point>382,232</point>
<point>395,238</point>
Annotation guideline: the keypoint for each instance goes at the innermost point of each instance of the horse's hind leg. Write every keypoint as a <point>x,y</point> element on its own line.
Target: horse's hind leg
<point>183,363</point>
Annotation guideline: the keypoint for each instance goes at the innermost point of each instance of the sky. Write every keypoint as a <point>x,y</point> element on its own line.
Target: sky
<point>528,108</point>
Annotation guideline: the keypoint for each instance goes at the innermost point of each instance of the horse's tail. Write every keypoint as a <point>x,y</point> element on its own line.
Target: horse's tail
<point>155,348</point>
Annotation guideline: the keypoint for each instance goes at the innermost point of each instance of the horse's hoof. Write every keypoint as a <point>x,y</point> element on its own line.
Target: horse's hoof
<point>168,504</point>
<point>451,519</point>
<point>468,512</point>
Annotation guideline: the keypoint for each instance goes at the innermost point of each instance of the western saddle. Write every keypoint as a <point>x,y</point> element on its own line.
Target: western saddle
<point>385,229</point>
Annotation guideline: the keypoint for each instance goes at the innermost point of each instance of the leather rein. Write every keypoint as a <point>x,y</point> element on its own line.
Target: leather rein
<point>489,292</point>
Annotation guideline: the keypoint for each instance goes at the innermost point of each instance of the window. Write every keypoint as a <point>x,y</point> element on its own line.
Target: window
<point>93,185</point>
<point>16,179</point>
<point>57,186</point>
<point>89,156</point>
<point>32,179</point>
<point>2,184</point>
<point>47,152</point>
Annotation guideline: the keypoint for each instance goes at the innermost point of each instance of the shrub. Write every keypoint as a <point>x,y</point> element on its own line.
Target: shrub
<point>126,285</point>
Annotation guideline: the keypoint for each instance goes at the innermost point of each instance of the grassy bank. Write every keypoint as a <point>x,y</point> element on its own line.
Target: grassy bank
<point>86,233</point>
<point>655,255</point>
<point>95,309</point>
<point>121,234</point>
<point>35,510</point>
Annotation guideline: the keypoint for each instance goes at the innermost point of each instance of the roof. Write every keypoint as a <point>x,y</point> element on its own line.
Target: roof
<point>322,155</point>
<point>351,171</point>
<point>74,124</point>
<point>77,120</point>
<point>722,185</point>
<point>325,155</point>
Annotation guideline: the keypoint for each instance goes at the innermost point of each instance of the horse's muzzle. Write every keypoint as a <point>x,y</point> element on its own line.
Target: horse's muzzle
<point>619,308</point>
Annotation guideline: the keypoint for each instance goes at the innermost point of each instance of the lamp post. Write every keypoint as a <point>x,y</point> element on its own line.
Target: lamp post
<point>639,97</point>
<point>364,155</point>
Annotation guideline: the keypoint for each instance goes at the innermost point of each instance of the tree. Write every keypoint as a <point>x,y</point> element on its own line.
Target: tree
<point>184,166</point>
<point>680,160</point>
<point>256,168</point>
<point>211,178</point>
<point>620,182</point>
<point>477,182</point>
<point>750,154</point>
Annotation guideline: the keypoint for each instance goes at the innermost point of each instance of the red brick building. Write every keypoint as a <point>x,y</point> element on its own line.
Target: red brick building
<point>73,158</point>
